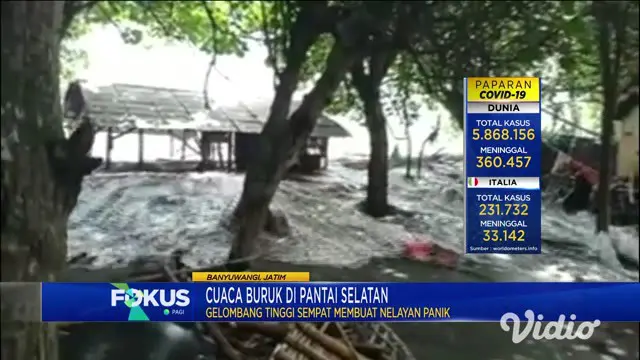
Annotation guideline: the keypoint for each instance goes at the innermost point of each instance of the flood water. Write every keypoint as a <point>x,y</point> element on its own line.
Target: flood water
<point>121,217</point>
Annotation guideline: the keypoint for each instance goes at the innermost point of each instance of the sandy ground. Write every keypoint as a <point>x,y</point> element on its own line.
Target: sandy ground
<point>122,216</point>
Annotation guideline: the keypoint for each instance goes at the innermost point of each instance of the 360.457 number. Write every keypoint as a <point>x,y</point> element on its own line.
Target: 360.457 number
<point>517,162</point>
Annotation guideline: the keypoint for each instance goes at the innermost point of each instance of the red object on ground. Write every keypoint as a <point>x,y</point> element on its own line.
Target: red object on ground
<point>565,161</point>
<point>421,249</point>
<point>588,172</point>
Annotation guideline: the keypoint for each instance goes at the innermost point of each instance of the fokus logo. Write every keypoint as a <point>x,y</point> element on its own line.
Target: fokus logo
<point>155,297</point>
<point>135,299</point>
<point>552,330</point>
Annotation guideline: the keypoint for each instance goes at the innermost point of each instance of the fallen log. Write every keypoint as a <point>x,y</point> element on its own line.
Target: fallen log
<point>332,344</point>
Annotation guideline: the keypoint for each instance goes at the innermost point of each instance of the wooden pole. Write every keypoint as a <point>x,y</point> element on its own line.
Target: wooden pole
<point>183,148</point>
<point>205,148</point>
<point>171,145</point>
<point>107,164</point>
<point>140,148</point>
<point>219,154</point>
<point>229,150</point>
<point>325,152</point>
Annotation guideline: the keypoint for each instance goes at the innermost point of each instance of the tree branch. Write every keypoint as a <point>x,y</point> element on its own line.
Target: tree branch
<point>214,50</point>
<point>621,42</point>
<point>160,23</point>
<point>358,77</point>
<point>270,44</point>
<point>69,12</point>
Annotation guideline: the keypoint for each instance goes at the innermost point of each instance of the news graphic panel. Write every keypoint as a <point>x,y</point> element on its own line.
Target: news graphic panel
<point>224,301</point>
<point>502,151</point>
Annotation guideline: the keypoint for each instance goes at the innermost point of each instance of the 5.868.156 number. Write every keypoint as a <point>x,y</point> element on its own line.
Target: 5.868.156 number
<point>519,134</point>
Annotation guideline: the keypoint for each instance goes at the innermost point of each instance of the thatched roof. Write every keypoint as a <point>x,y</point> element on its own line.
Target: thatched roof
<point>124,106</point>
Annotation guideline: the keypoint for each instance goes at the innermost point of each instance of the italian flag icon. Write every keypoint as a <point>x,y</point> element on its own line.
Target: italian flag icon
<point>472,182</point>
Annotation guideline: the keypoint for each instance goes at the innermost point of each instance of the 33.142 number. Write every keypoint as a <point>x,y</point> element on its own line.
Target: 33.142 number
<point>503,235</point>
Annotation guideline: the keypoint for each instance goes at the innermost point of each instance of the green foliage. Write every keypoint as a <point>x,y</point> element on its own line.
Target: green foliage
<point>404,96</point>
<point>73,58</point>
<point>467,38</point>
<point>577,51</point>
<point>443,42</point>
<point>579,69</point>
<point>219,27</point>
<point>554,40</point>
<point>497,38</point>
<point>215,27</point>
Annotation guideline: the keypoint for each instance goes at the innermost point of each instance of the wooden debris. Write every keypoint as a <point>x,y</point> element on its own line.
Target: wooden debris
<point>345,351</point>
<point>266,340</point>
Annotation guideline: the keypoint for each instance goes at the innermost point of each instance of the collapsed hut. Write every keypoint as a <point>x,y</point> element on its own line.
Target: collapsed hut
<point>225,137</point>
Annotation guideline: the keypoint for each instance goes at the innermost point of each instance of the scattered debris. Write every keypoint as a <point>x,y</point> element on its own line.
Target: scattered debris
<point>272,340</point>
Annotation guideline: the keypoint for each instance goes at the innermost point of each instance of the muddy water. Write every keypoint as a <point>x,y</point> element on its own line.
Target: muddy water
<point>120,217</point>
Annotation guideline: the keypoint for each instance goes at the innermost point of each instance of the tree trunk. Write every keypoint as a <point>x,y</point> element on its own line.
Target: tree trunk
<point>377,203</point>
<point>41,171</point>
<point>454,102</point>
<point>249,211</point>
<point>421,157</point>
<point>281,141</point>
<point>407,136</point>
<point>433,136</point>
<point>368,87</point>
<point>611,30</point>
